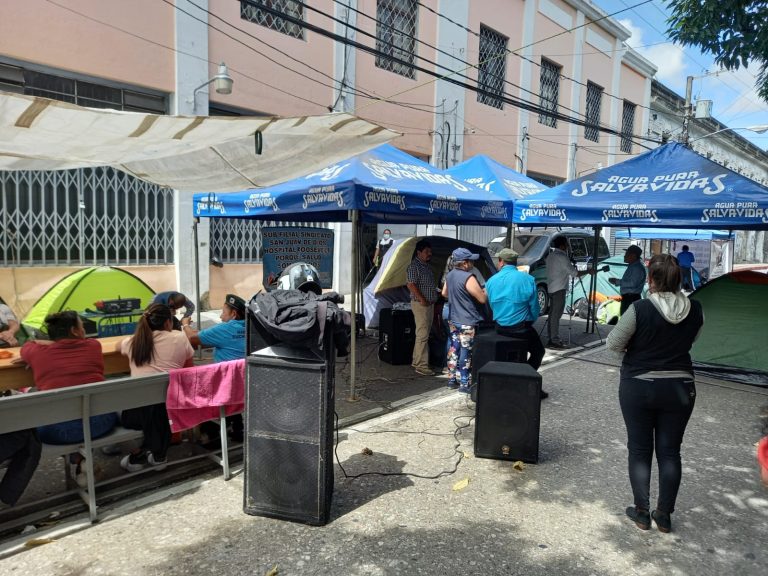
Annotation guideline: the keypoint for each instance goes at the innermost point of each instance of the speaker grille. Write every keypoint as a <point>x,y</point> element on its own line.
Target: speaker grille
<point>289,439</point>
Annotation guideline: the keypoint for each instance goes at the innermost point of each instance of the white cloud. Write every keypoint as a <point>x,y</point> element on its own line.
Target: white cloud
<point>668,58</point>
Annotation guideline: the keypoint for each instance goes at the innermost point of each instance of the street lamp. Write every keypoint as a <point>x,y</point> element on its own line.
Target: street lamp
<point>760,128</point>
<point>222,82</point>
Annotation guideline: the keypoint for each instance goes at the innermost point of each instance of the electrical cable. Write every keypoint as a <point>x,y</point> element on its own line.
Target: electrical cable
<point>440,474</point>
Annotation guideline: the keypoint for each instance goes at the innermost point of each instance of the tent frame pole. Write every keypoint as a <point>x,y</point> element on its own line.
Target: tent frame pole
<point>197,270</point>
<point>592,305</point>
<point>354,217</point>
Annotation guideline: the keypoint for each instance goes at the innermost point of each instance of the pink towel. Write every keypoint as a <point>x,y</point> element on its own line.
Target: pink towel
<point>196,394</point>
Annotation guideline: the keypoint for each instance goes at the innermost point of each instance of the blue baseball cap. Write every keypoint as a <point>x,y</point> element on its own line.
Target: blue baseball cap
<point>463,254</point>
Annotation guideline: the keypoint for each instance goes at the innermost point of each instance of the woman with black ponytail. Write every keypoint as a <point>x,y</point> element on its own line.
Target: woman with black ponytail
<point>155,347</point>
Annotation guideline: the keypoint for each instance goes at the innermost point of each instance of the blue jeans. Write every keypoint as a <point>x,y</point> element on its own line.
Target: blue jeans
<point>71,432</point>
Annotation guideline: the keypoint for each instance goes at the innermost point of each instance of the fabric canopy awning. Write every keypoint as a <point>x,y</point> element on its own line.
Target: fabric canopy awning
<point>673,234</point>
<point>671,186</point>
<point>191,154</point>
<point>485,173</point>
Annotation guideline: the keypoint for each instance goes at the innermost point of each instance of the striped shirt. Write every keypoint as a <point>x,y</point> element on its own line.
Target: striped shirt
<point>420,273</point>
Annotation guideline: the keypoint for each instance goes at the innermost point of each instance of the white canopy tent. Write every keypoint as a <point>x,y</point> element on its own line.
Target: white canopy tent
<point>188,153</point>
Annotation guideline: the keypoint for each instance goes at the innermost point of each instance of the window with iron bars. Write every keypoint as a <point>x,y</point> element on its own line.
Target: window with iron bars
<point>238,240</point>
<point>86,216</point>
<point>492,68</point>
<point>254,11</point>
<point>83,217</point>
<point>627,126</point>
<point>594,98</point>
<point>549,91</point>
<point>396,28</point>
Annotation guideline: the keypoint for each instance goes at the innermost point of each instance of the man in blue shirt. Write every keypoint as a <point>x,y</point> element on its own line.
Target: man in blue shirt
<point>228,338</point>
<point>228,342</point>
<point>685,260</point>
<point>632,282</point>
<point>515,305</point>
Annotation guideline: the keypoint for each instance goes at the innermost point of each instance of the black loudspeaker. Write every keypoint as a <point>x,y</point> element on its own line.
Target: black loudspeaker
<point>397,335</point>
<point>289,435</point>
<point>490,346</point>
<point>507,412</point>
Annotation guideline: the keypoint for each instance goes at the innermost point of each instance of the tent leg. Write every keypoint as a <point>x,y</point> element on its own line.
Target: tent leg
<point>353,341</point>
<point>197,276</point>
<point>592,306</point>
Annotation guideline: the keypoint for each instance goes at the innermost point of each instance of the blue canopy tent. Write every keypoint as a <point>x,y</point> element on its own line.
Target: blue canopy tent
<point>487,174</point>
<point>673,234</point>
<point>671,186</point>
<point>381,185</point>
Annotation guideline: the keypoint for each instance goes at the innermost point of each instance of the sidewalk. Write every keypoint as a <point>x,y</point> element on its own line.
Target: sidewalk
<point>564,515</point>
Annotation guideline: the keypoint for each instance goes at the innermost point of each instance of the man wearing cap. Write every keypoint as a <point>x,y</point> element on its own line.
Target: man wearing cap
<point>465,296</point>
<point>228,338</point>
<point>421,285</point>
<point>559,270</point>
<point>632,282</point>
<point>515,305</point>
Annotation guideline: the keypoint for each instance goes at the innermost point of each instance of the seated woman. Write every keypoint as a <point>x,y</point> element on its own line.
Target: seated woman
<point>155,347</point>
<point>68,359</point>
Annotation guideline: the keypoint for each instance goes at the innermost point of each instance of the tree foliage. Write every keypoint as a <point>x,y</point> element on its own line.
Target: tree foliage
<point>735,32</point>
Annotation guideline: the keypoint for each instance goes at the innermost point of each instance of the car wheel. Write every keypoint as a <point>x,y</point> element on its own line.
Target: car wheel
<point>543,296</point>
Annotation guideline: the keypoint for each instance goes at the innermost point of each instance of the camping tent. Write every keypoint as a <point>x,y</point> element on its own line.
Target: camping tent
<point>671,186</point>
<point>734,338</point>
<point>388,285</point>
<point>81,290</point>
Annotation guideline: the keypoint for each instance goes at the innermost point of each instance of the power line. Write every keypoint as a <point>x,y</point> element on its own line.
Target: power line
<point>511,100</point>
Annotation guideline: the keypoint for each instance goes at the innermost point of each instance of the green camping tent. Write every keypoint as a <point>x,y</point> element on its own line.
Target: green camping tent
<point>734,338</point>
<point>81,290</point>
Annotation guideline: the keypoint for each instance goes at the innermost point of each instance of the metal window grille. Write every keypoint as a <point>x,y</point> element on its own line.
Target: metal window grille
<point>548,181</point>
<point>83,217</point>
<point>627,126</point>
<point>238,240</point>
<point>396,25</point>
<point>549,91</point>
<point>594,98</point>
<point>492,68</point>
<point>254,11</point>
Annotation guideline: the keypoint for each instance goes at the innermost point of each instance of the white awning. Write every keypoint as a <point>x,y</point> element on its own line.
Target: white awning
<point>191,154</point>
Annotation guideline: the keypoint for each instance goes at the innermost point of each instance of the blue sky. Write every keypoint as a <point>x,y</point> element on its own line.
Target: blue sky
<point>735,102</point>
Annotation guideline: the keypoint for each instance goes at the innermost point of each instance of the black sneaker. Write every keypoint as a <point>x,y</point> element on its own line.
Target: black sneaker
<point>556,345</point>
<point>663,521</point>
<point>640,517</point>
<point>543,395</point>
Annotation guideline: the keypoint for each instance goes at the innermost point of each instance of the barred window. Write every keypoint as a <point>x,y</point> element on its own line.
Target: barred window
<point>627,126</point>
<point>78,92</point>
<point>549,91</point>
<point>263,12</point>
<point>396,27</point>
<point>594,98</point>
<point>83,217</point>
<point>492,68</point>
<point>238,240</point>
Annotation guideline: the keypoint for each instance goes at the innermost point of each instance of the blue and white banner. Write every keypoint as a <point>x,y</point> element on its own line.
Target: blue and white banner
<point>671,186</point>
<point>384,184</point>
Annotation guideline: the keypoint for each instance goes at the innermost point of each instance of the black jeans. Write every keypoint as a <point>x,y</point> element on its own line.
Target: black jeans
<point>153,422</point>
<point>23,448</point>
<point>656,412</point>
<point>535,347</point>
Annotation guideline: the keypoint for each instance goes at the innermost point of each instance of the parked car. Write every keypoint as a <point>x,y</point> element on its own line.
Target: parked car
<point>534,246</point>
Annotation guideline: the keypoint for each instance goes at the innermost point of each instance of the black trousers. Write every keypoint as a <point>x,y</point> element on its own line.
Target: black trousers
<point>535,347</point>
<point>626,300</point>
<point>153,422</point>
<point>23,448</point>
<point>656,412</point>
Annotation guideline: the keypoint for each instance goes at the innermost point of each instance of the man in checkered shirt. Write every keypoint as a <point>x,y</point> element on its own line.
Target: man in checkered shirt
<point>421,284</point>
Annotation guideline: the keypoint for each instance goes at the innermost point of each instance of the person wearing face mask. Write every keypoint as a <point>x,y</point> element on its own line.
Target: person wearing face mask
<point>382,246</point>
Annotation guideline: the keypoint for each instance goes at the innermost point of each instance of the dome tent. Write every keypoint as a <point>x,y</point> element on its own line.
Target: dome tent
<point>80,290</point>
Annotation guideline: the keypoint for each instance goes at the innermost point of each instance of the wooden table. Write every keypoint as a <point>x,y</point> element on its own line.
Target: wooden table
<point>14,376</point>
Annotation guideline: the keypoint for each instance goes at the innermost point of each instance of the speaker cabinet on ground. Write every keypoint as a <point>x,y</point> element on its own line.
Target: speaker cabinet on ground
<point>490,346</point>
<point>289,435</point>
<point>397,335</point>
<point>507,412</point>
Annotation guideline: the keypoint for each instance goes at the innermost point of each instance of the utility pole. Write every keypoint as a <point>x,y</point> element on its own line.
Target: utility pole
<point>687,112</point>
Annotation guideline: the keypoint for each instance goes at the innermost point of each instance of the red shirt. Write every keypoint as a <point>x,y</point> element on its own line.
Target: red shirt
<point>66,362</point>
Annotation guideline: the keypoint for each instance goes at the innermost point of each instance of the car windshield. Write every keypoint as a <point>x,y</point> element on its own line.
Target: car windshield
<point>530,247</point>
